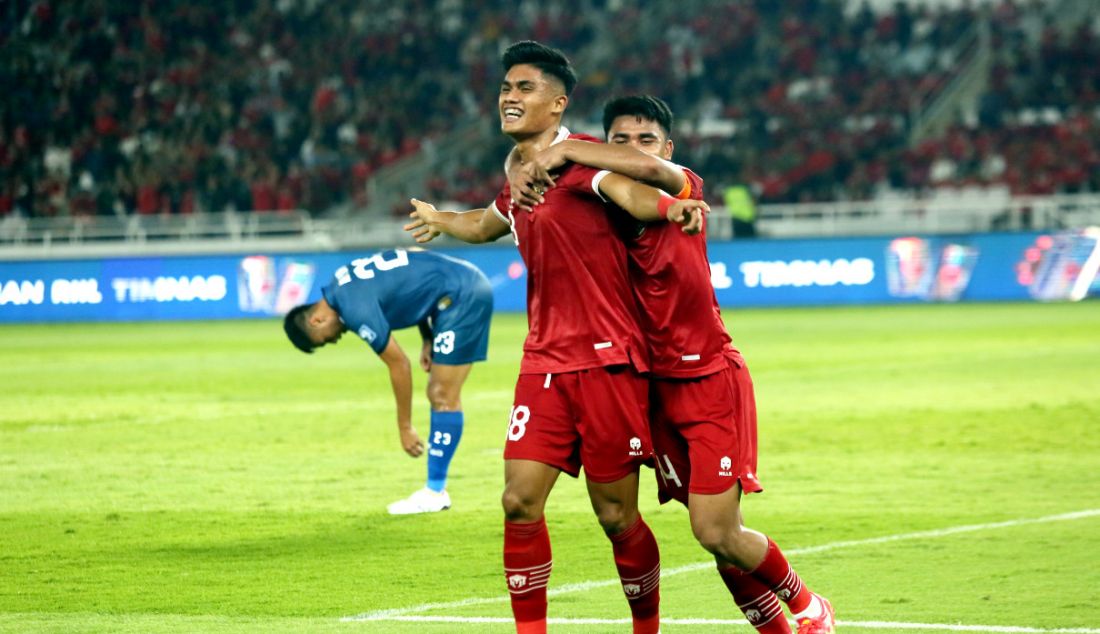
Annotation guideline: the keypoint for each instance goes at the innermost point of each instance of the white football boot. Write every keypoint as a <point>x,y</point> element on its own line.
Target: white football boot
<point>423,501</point>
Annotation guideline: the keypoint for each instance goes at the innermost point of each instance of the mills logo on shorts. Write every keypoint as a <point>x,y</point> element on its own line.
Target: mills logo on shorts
<point>724,467</point>
<point>635,446</point>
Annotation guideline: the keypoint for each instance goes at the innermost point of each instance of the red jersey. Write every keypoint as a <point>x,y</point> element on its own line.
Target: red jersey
<point>580,310</point>
<point>680,315</point>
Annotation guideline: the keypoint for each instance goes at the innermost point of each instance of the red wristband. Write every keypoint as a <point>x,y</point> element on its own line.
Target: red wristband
<point>663,204</point>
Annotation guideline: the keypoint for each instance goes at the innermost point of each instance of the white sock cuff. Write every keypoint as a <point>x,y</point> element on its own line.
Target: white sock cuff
<point>812,611</point>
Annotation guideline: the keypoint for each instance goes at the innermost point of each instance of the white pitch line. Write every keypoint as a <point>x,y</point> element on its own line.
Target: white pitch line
<point>808,550</point>
<point>875,625</point>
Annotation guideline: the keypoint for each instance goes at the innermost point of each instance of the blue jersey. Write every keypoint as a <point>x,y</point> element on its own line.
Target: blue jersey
<point>395,289</point>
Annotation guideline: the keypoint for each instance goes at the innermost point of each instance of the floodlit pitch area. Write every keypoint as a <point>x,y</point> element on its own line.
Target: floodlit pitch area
<point>928,468</point>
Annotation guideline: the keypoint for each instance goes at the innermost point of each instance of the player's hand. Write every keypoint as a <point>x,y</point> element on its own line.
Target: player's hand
<point>689,214</point>
<point>410,442</point>
<point>423,226</point>
<point>426,356</point>
<point>530,180</point>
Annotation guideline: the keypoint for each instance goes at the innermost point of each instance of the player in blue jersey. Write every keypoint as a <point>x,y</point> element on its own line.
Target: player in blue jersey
<point>451,302</point>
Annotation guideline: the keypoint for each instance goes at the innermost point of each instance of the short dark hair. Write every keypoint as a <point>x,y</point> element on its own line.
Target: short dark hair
<point>295,326</point>
<point>643,106</point>
<point>550,61</point>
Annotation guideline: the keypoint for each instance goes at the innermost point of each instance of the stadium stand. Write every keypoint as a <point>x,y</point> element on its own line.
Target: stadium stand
<point>119,108</point>
<point>114,110</point>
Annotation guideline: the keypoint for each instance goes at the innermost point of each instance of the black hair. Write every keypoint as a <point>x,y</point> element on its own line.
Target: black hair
<point>295,326</point>
<point>550,61</point>
<point>645,107</point>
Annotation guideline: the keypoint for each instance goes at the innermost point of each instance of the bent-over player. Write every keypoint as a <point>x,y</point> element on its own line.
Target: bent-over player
<point>451,302</point>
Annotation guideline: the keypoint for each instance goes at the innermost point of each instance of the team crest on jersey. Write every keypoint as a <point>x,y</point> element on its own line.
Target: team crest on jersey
<point>724,466</point>
<point>366,334</point>
<point>443,304</point>
<point>635,446</point>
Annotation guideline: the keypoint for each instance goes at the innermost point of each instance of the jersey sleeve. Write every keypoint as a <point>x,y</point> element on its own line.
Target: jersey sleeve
<point>500,204</point>
<point>693,186</point>
<point>586,180</point>
<point>369,323</point>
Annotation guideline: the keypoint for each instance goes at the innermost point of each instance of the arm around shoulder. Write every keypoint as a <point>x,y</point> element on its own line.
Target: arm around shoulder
<point>628,161</point>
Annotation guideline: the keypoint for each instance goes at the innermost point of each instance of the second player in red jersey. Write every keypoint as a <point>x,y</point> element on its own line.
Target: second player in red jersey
<point>703,418</point>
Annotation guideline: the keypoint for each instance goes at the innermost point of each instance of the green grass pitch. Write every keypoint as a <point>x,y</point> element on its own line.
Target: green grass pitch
<point>206,477</point>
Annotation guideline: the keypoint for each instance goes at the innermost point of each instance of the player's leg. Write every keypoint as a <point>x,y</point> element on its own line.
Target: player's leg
<point>756,571</point>
<point>615,441</point>
<point>460,337</point>
<point>542,442</point>
<point>445,397</point>
<point>723,462</point>
<point>754,568</point>
<point>527,555</point>
<point>716,523</point>
<point>637,557</point>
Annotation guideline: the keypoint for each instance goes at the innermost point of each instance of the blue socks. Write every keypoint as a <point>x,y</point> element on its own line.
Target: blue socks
<point>442,442</point>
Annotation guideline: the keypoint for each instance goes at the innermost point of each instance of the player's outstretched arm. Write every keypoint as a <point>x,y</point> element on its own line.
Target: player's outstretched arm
<point>475,226</point>
<point>401,380</point>
<point>648,204</point>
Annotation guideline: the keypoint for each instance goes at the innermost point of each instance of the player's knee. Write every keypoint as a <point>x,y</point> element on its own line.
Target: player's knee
<point>710,537</point>
<point>719,538</point>
<point>615,518</point>
<point>443,397</point>
<point>519,507</point>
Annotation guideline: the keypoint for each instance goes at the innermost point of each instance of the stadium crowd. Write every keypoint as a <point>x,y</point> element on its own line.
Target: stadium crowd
<point>805,102</point>
<point>115,108</point>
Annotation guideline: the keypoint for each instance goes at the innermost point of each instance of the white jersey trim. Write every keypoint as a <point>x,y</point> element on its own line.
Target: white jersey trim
<point>503,218</point>
<point>596,180</point>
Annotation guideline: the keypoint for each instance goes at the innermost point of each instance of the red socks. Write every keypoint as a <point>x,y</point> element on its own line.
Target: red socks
<point>756,600</point>
<point>639,564</point>
<point>781,578</point>
<point>527,563</point>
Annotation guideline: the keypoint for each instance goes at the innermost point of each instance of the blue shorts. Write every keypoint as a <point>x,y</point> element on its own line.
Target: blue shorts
<point>460,326</point>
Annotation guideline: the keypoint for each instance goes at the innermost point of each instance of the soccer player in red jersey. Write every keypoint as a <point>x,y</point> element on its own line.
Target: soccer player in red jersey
<point>703,411</point>
<point>580,399</point>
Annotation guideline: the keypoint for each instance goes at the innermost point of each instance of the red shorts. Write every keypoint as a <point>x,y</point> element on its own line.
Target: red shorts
<point>704,433</point>
<point>595,418</point>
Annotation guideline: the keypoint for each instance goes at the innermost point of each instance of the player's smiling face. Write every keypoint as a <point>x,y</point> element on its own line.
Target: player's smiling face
<point>529,101</point>
<point>643,134</point>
